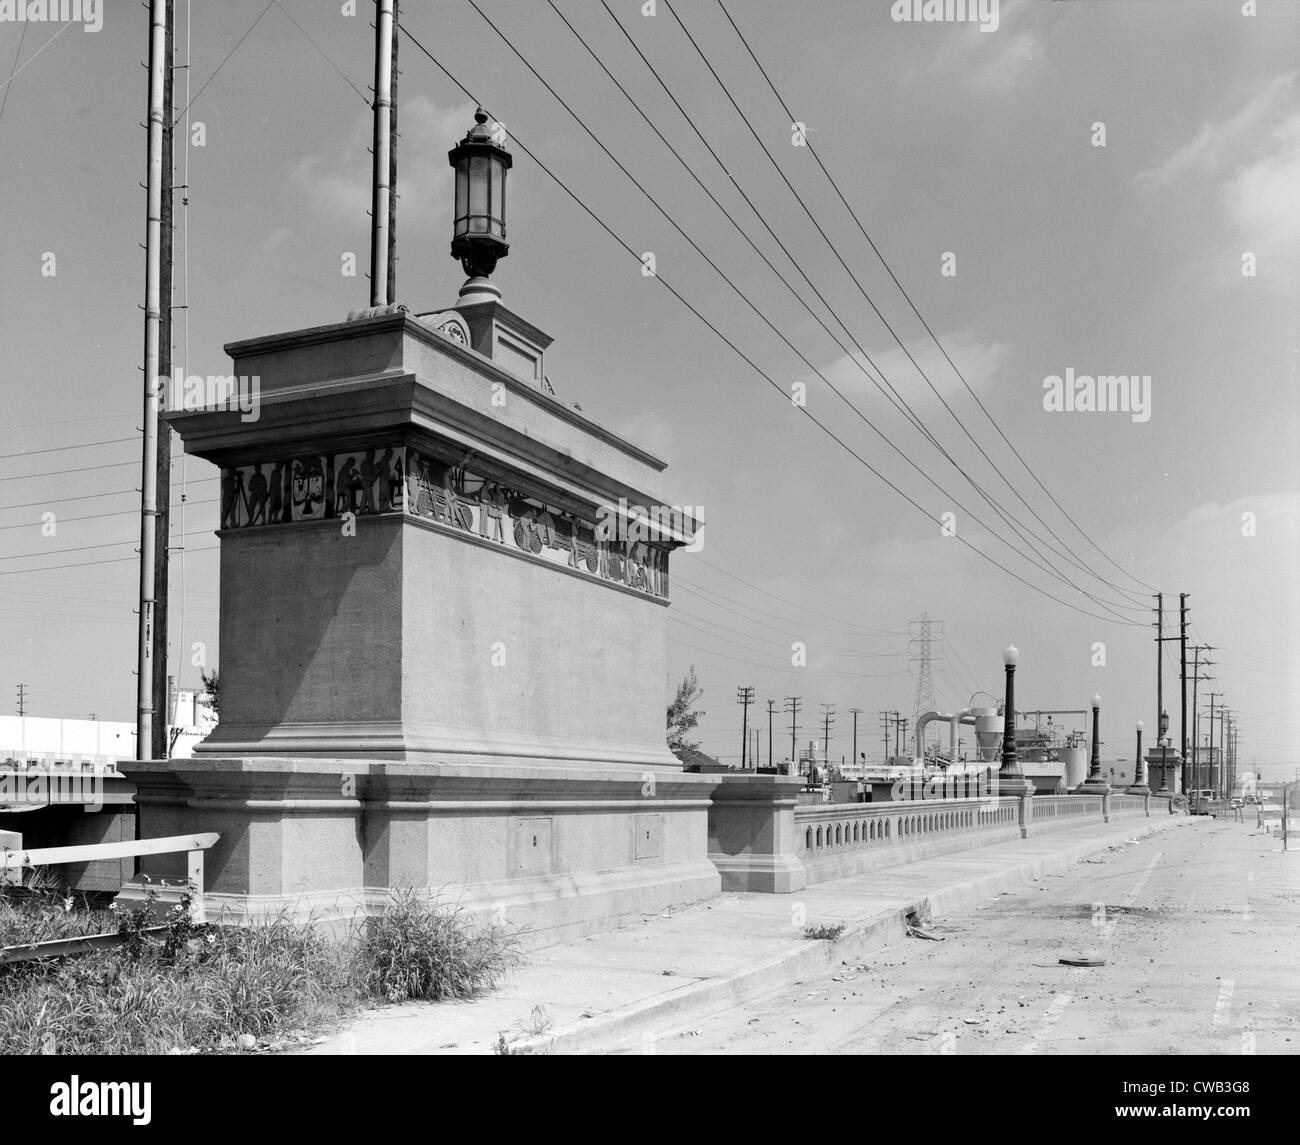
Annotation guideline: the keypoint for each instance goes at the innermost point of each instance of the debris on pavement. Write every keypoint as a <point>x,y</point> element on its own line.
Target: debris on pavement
<point>1083,962</point>
<point>917,932</point>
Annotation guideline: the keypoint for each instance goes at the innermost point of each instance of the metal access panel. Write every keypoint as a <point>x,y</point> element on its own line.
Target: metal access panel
<point>649,836</point>
<point>534,846</point>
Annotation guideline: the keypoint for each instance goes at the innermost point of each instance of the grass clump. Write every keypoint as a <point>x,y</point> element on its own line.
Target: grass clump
<point>182,988</point>
<point>829,933</point>
<point>418,949</point>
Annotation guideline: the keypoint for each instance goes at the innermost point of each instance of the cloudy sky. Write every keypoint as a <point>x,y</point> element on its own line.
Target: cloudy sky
<point>1088,188</point>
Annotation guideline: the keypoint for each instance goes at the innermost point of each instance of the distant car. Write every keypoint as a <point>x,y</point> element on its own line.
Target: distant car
<point>1235,804</point>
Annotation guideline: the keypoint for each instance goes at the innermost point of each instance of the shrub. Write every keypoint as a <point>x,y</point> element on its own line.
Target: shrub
<point>420,949</point>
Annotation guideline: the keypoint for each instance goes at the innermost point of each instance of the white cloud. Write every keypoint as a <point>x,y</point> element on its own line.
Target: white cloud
<point>979,362</point>
<point>336,188</point>
<point>1217,145</point>
<point>1261,198</point>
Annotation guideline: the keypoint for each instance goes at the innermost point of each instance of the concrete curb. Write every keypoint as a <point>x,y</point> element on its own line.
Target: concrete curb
<point>622,1028</point>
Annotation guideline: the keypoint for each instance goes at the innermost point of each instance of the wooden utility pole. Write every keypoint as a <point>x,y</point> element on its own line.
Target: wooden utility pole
<point>771,708</point>
<point>1197,665</point>
<point>856,712</point>
<point>745,697</point>
<point>163,465</point>
<point>1160,659</point>
<point>792,706</point>
<point>828,716</point>
<point>1182,643</point>
<point>153,306</point>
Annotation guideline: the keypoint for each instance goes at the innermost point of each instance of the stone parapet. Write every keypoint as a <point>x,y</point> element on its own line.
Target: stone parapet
<point>552,853</point>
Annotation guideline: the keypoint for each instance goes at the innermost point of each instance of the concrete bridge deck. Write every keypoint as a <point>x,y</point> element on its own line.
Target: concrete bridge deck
<point>617,991</point>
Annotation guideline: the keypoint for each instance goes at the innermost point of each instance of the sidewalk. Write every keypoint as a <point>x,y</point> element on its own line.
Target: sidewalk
<point>620,991</point>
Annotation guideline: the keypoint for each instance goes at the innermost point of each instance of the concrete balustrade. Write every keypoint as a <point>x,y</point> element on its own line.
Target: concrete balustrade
<point>761,838</point>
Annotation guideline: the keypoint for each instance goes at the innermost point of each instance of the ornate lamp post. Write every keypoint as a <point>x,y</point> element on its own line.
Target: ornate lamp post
<point>1139,785</point>
<point>479,227</point>
<point>1163,740</point>
<point>1011,780</point>
<point>1096,783</point>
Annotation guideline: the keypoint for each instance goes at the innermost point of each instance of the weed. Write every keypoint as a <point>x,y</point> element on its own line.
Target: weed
<point>830,933</point>
<point>419,949</point>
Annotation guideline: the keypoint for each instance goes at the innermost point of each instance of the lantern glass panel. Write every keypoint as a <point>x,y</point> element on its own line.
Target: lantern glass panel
<point>497,198</point>
<point>478,192</point>
<point>462,196</point>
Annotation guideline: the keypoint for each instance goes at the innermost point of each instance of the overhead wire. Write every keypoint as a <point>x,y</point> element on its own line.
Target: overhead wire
<point>1114,618</point>
<point>853,214</point>
<point>749,361</point>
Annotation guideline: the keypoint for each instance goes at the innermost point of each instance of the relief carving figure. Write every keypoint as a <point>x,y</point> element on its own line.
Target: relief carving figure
<point>277,492</point>
<point>418,472</point>
<point>307,488</point>
<point>348,487</point>
<point>258,495</point>
<point>373,472</point>
<point>395,485</point>
<point>492,512</point>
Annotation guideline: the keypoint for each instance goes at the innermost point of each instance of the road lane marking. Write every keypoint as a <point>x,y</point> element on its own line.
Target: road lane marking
<point>1053,1015</point>
<point>1224,1004</point>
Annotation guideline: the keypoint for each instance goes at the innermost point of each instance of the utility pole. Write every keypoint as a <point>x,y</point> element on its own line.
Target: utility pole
<point>163,461</point>
<point>1182,643</point>
<point>898,732</point>
<point>828,716</point>
<point>884,723</point>
<point>1196,711</point>
<point>1160,657</point>
<point>771,709</point>
<point>745,697</point>
<point>1213,696</point>
<point>856,712</point>
<point>383,162</point>
<point>22,700</point>
<point>792,706</point>
<point>158,67</point>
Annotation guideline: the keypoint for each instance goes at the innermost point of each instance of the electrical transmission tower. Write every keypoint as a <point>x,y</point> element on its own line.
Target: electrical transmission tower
<point>925,647</point>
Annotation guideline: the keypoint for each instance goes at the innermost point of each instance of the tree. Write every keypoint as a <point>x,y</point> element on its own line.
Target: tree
<point>682,716</point>
<point>211,690</point>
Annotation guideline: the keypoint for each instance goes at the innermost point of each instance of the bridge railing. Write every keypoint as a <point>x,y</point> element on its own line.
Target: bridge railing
<point>768,840</point>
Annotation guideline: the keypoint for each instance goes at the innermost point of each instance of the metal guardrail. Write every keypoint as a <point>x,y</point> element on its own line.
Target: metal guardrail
<point>194,845</point>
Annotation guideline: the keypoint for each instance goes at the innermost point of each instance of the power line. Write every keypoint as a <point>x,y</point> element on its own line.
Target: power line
<point>285,11</point>
<point>1051,571</point>
<point>13,75</point>
<point>887,389</point>
<point>61,448</point>
<point>853,214</point>
<point>204,86</point>
<point>82,564</point>
<point>22,39</point>
<point>758,369</point>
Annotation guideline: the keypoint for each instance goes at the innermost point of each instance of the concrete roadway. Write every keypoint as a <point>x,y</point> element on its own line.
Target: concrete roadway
<point>1199,931</point>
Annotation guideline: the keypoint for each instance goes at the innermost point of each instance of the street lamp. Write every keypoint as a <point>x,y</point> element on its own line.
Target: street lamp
<point>1096,783</point>
<point>479,226</point>
<point>1139,786</point>
<point>1011,780</point>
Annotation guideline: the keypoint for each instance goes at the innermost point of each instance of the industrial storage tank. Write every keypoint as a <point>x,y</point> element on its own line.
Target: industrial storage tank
<point>1075,760</point>
<point>988,733</point>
